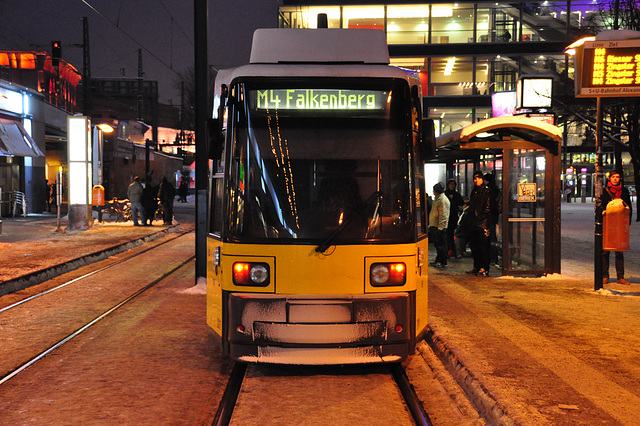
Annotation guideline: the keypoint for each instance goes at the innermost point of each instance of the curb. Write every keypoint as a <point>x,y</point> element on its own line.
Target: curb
<point>37,277</point>
<point>481,399</point>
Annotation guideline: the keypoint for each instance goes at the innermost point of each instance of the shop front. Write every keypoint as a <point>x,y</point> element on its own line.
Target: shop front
<point>20,155</point>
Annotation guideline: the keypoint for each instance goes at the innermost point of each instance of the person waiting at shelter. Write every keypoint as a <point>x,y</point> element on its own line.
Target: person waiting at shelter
<point>462,231</point>
<point>438,222</point>
<point>479,223</point>
<point>134,194</point>
<point>614,190</point>
<point>496,211</point>
<point>455,203</point>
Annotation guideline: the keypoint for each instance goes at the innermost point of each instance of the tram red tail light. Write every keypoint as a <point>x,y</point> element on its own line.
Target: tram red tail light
<point>251,274</point>
<point>387,274</point>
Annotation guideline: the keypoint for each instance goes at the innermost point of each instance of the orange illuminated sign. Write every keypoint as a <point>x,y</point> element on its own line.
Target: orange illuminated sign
<point>609,68</point>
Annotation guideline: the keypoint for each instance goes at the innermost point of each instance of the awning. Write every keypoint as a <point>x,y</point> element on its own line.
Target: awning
<point>15,141</point>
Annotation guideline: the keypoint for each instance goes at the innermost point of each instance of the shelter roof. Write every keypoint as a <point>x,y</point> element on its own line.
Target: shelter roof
<point>495,132</point>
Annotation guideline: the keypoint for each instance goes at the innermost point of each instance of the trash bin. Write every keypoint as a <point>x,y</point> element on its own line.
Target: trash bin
<point>98,195</point>
<point>97,200</point>
<point>615,226</point>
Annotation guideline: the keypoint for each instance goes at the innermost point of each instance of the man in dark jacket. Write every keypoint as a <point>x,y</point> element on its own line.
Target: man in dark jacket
<point>166,194</point>
<point>614,190</point>
<point>479,224</point>
<point>149,202</point>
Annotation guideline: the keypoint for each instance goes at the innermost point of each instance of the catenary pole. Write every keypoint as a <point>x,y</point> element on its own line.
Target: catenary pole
<point>201,22</point>
<point>597,243</point>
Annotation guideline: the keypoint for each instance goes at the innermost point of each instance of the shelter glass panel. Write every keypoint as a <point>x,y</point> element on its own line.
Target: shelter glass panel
<point>526,210</point>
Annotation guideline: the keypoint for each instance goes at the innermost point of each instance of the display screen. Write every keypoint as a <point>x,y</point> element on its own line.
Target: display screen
<point>318,99</point>
<point>610,68</point>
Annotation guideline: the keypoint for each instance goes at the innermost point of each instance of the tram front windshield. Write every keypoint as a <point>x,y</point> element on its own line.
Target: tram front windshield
<point>316,161</point>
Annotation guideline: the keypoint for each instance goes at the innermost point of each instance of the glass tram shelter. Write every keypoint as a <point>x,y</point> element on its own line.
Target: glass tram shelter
<point>529,226</point>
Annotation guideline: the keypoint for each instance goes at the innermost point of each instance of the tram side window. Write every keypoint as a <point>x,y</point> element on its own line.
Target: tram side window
<point>418,165</point>
<point>216,219</point>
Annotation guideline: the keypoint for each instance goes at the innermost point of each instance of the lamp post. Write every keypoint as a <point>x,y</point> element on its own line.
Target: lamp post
<point>98,200</point>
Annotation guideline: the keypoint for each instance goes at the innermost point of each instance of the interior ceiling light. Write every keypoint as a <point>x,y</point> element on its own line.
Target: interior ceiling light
<point>442,11</point>
<point>449,67</point>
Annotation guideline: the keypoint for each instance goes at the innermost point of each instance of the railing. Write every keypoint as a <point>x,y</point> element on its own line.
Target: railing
<point>19,201</point>
<point>16,200</point>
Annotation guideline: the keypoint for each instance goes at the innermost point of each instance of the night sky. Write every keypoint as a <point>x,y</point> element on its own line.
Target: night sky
<point>163,29</point>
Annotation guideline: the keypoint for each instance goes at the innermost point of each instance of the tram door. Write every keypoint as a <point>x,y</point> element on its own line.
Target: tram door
<point>524,212</point>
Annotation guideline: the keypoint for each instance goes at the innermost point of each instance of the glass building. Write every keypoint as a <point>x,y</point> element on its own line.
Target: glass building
<point>465,51</point>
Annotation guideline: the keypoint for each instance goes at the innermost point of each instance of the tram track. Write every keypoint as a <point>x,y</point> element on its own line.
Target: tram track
<point>414,406</point>
<point>66,308</point>
<point>38,276</point>
<point>171,238</point>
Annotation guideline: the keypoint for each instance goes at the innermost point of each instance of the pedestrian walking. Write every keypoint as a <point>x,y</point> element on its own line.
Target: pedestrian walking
<point>166,194</point>
<point>183,190</point>
<point>48,196</point>
<point>480,210</point>
<point>614,190</point>
<point>455,203</point>
<point>438,222</point>
<point>134,194</point>
<point>149,202</point>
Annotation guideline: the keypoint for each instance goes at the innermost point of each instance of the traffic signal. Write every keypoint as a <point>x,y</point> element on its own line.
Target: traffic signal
<point>56,52</point>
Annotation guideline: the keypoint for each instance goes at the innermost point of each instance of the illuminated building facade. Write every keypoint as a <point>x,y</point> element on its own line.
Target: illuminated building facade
<point>35,99</point>
<point>466,52</point>
<point>35,70</point>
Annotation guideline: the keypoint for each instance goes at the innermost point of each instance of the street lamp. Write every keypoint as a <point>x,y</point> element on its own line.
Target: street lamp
<point>99,131</point>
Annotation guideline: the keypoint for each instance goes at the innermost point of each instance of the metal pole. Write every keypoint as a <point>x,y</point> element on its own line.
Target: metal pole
<point>59,200</point>
<point>86,69</point>
<point>201,22</point>
<point>597,252</point>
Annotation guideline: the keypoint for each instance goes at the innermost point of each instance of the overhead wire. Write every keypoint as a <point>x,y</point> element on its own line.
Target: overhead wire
<point>132,38</point>
<point>173,19</point>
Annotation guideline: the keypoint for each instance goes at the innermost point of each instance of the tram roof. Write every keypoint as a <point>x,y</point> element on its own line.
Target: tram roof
<point>287,45</point>
<point>496,130</point>
<point>312,70</point>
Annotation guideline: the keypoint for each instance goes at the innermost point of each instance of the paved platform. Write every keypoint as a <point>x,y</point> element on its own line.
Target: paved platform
<point>547,350</point>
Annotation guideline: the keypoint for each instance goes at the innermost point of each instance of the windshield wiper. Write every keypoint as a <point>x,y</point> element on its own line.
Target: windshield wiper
<point>344,225</point>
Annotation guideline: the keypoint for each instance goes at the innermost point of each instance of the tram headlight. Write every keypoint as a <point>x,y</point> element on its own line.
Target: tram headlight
<point>251,274</point>
<point>384,274</point>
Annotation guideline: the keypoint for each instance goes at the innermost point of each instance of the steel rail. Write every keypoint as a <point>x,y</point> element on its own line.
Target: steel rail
<point>230,395</point>
<point>60,343</point>
<point>420,416</point>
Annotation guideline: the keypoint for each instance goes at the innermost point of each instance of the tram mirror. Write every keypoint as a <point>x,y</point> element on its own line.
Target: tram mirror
<point>215,138</point>
<point>428,140</point>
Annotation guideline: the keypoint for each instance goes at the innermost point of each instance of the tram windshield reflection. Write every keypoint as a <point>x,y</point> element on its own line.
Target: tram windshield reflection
<point>300,171</point>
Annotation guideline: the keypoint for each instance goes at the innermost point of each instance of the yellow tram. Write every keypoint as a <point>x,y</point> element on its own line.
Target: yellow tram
<point>317,229</point>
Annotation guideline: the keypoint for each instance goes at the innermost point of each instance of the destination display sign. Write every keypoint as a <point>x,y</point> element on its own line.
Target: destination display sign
<point>610,68</point>
<point>318,99</point>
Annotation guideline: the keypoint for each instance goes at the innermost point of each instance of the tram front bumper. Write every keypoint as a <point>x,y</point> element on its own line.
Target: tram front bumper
<point>319,330</point>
